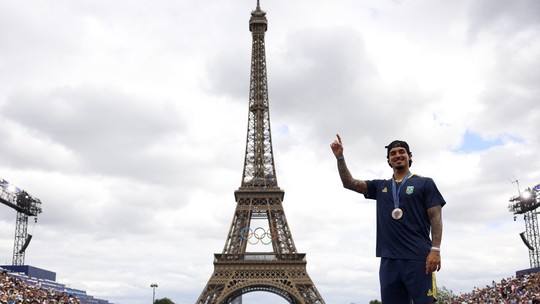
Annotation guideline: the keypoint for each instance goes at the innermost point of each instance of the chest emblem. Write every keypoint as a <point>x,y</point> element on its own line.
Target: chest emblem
<point>384,189</point>
<point>409,190</point>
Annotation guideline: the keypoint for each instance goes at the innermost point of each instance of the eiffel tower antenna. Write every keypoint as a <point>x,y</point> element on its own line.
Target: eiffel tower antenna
<point>282,270</point>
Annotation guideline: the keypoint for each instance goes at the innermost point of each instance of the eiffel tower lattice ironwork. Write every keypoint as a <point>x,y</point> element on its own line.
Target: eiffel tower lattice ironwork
<point>281,271</point>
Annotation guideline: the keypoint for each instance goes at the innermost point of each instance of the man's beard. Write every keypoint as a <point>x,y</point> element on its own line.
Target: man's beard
<point>400,167</point>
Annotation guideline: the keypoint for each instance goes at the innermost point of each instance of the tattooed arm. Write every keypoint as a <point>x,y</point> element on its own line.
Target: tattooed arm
<point>346,178</point>
<point>433,261</point>
<point>435,219</point>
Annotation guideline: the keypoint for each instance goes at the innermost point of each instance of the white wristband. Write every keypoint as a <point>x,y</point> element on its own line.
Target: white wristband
<point>436,249</point>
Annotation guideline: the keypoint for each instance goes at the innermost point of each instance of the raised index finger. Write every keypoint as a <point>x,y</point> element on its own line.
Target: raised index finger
<point>339,138</point>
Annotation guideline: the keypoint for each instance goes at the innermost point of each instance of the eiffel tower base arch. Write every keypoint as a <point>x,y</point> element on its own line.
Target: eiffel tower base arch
<point>282,274</point>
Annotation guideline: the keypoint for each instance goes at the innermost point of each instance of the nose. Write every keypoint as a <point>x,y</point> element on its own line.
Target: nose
<point>399,157</point>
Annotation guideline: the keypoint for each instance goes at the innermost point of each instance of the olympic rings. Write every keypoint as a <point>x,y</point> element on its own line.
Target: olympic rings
<point>259,234</point>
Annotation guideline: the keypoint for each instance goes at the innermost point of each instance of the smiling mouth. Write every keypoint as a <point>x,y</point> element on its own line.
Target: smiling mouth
<point>399,162</point>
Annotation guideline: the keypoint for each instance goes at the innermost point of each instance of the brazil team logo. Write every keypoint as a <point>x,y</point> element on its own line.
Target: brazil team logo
<point>409,190</point>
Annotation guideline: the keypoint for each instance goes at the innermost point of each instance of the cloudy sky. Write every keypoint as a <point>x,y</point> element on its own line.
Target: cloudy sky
<point>128,120</point>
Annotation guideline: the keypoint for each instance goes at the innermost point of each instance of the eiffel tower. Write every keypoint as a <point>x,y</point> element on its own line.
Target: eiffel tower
<point>281,271</point>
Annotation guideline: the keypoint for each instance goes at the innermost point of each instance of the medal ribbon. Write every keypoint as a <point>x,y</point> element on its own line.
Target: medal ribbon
<point>395,190</point>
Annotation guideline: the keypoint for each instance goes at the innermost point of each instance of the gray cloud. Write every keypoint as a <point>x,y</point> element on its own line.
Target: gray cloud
<point>108,131</point>
<point>502,17</point>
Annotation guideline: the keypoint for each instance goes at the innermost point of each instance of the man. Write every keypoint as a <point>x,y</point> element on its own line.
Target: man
<point>408,208</point>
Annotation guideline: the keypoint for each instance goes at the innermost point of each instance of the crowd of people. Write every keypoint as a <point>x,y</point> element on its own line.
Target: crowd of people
<point>522,290</point>
<point>14,290</point>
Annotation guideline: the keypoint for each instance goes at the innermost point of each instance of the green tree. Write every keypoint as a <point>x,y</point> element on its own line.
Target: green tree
<point>444,294</point>
<point>163,301</point>
<point>374,302</point>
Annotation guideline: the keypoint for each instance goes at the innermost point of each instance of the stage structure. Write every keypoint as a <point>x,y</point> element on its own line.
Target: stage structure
<point>280,269</point>
<point>26,206</point>
<point>526,203</point>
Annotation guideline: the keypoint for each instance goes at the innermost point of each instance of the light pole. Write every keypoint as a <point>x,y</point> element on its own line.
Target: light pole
<point>154,286</point>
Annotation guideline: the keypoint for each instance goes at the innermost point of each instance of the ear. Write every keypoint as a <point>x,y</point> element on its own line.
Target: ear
<point>388,161</point>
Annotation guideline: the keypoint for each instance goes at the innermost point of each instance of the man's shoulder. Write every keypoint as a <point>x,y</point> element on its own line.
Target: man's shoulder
<point>420,179</point>
<point>378,183</point>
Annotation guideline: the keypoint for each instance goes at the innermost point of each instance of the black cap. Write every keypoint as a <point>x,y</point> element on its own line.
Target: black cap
<point>397,143</point>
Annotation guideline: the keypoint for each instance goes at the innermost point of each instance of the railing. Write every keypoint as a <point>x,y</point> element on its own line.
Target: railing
<point>257,257</point>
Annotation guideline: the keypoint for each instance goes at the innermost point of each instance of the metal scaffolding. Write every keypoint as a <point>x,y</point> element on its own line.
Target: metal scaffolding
<point>526,203</point>
<point>26,206</point>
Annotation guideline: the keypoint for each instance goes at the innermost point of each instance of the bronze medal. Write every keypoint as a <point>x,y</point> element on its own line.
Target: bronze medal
<point>397,213</point>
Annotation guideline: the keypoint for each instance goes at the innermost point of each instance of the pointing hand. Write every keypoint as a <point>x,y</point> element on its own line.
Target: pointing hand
<point>337,147</point>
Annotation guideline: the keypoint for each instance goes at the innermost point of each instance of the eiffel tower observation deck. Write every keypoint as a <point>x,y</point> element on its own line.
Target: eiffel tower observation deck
<point>279,269</point>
